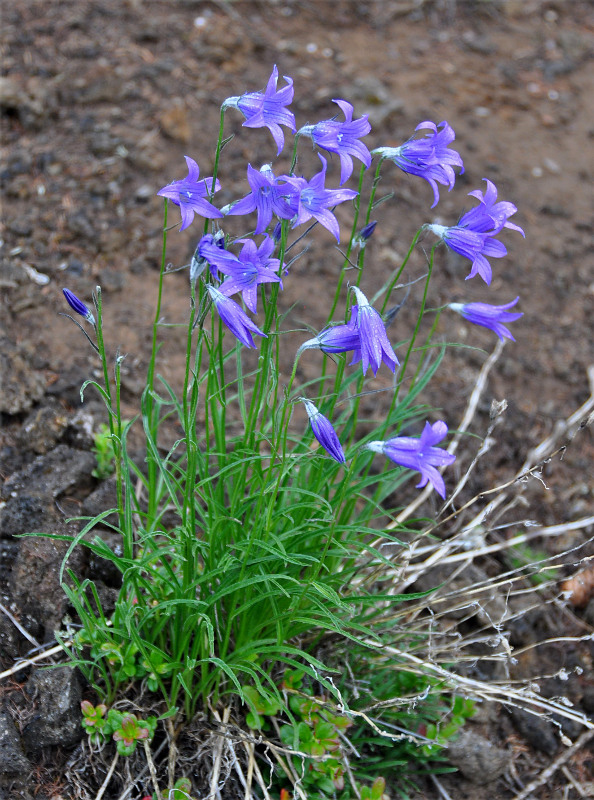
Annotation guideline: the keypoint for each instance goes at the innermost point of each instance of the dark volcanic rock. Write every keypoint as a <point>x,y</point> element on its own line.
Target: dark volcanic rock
<point>36,577</point>
<point>52,474</point>
<point>43,428</point>
<point>537,731</point>
<point>57,693</point>
<point>13,760</point>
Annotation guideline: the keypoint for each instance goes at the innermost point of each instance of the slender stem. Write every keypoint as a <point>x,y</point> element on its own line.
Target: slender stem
<point>113,428</point>
<point>416,330</point>
<point>152,407</point>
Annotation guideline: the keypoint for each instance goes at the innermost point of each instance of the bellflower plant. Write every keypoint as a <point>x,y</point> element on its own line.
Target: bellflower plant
<point>342,138</point>
<point>189,195</point>
<point>489,316</point>
<point>267,109</point>
<point>419,454</point>
<point>243,553</point>
<point>429,158</point>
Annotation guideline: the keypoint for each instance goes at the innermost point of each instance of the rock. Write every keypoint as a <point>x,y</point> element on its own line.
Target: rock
<point>101,499</point>
<point>20,384</point>
<point>144,193</point>
<point>57,693</point>
<point>36,586</point>
<point>42,429</point>
<point>375,98</point>
<point>537,731</point>
<point>80,225</point>
<point>32,103</point>
<point>13,760</point>
<point>175,122</point>
<point>49,476</point>
<point>112,280</point>
<point>477,759</point>
<point>103,143</point>
<point>79,433</point>
<point>23,514</point>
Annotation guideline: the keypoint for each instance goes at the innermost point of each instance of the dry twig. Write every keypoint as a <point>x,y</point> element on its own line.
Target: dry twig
<point>19,627</point>
<point>105,783</point>
<point>152,770</point>
<point>544,776</point>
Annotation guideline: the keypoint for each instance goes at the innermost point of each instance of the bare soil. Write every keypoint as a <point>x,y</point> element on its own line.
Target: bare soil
<point>101,100</point>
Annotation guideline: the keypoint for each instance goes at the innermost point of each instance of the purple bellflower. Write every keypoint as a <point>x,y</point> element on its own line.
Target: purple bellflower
<point>189,195</point>
<point>268,196</point>
<point>267,108</point>
<point>471,244</point>
<point>211,250</point>
<point>366,232</point>
<point>342,138</point>
<point>365,335</point>
<point>429,158</point>
<point>252,267</point>
<point>374,346</point>
<point>490,215</point>
<point>324,432</point>
<point>489,316</point>
<point>235,318</point>
<point>337,339</point>
<point>419,454</point>
<point>473,236</point>
<point>315,200</point>
<point>78,306</point>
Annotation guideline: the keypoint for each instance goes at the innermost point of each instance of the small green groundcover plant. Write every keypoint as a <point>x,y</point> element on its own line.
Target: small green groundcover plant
<point>251,555</point>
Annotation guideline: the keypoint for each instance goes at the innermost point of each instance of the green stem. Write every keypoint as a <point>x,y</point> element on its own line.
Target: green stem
<point>114,428</point>
<point>152,407</point>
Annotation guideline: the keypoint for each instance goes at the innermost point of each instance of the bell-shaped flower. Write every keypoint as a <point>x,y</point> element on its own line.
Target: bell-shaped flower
<point>324,432</point>
<point>473,245</point>
<point>316,201</point>
<point>419,454</point>
<point>489,215</point>
<point>234,317</point>
<point>267,109</point>
<point>473,236</point>
<point>366,232</point>
<point>429,157</point>
<point>252,267</point>
<point>189,195</point>
<point>210,250</point>
<point>268,196</point>
<point>342,138</point>
<point>78,306</point>
<point>374,346</point>
<point>489,316</point>
<point>337,339</point>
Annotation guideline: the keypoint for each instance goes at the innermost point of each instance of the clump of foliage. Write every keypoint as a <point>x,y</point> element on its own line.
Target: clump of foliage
<point>255,536</point>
